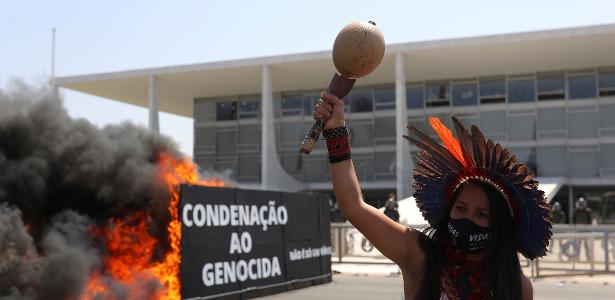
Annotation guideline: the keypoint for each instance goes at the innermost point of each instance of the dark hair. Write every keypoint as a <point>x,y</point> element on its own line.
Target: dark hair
<point>503,268</point>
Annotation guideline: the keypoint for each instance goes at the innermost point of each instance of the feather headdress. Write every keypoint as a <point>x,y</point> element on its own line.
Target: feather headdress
<point>441,169</point>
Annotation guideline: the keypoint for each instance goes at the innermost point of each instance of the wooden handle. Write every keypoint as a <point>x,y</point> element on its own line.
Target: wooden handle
<point>339,86</point>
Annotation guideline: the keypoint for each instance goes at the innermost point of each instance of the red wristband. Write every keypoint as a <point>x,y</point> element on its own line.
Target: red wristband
<point>338,144</point>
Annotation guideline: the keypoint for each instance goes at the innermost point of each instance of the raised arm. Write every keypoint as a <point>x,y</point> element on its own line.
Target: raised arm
<point>395,241</point>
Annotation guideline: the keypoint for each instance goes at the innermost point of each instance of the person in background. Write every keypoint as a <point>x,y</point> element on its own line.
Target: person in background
<point>583,215</point>
<point>391,208</point>
<point>559,217</point>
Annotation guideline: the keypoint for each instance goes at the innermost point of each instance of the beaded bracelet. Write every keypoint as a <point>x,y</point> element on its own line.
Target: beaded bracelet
<point>338,144</point>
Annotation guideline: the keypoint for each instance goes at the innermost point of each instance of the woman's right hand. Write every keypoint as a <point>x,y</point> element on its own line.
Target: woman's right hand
<point>330,108</point>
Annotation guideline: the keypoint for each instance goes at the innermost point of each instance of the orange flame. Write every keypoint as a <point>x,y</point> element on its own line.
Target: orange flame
<point>130,247</point>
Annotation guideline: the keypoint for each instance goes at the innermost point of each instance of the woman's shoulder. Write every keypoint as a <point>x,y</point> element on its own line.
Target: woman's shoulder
<point>527,289</point>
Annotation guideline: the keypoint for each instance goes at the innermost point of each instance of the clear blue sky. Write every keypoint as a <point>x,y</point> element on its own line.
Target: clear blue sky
<point>122,35</point>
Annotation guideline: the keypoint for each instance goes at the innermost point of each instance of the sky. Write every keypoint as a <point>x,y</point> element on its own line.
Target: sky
<point>111,35</point>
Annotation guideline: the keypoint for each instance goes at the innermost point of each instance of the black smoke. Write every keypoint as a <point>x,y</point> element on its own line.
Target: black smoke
<point>58,177</point>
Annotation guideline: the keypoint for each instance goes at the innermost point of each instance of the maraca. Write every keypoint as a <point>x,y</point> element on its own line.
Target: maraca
<point>357,51</point>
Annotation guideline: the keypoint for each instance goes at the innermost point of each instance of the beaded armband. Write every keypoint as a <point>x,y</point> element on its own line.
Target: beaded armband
<point>338,144</point>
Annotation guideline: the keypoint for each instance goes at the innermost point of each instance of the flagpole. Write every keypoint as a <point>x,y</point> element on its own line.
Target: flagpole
<point>53,56</point>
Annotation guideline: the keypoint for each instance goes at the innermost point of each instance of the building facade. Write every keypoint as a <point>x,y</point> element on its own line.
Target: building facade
<point>548,96</point>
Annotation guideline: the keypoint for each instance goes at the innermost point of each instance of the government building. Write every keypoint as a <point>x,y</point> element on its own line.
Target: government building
<point>549,96</point>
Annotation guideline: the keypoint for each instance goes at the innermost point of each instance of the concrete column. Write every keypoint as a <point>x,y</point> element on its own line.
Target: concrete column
<point>153,105</point>
<point>403,166</point>
<point>273,176</point>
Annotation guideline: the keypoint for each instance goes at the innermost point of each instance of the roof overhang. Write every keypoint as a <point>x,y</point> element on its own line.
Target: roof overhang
<point>550,185</point>
<point>177,86</point>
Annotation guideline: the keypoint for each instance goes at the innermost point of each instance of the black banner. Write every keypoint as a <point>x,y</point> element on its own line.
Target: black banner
<point>243,243</point>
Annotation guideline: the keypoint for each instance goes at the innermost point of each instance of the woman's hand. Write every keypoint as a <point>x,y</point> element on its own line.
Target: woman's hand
<point>330,108</point>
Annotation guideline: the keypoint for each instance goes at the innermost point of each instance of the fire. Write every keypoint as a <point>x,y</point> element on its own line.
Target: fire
<point>130,247</point>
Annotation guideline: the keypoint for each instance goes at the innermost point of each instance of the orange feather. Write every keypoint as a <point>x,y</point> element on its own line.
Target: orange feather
<point>446,136</point>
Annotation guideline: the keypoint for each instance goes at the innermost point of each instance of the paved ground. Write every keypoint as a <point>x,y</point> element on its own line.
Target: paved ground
<point>380,282</point>
<point>378,287</point>
<point>349,287</point>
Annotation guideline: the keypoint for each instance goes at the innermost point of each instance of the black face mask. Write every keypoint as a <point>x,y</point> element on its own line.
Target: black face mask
<point>468,237</point>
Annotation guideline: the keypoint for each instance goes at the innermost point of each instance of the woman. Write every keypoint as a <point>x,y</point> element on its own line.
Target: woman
<point>483,208</point>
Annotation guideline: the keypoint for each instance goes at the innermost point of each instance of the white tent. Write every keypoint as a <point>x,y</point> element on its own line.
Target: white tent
<point>409,214</point>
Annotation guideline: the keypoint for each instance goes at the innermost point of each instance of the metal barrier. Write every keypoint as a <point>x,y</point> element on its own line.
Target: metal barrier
<point>573,250</point>
<point>578,249</point>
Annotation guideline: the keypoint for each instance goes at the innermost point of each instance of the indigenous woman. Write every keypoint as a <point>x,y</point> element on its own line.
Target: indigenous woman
<point>483,207</point>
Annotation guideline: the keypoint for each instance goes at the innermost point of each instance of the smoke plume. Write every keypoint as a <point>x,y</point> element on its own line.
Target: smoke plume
<point>58,177</point>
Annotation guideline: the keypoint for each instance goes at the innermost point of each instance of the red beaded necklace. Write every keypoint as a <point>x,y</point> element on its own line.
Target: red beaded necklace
<point>457,269</point>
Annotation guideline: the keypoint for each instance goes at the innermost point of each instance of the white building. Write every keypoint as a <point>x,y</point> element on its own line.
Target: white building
<point>548,95</point>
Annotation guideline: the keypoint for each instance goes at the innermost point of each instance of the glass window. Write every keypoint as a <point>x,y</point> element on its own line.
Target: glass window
<point>361,100</point>
<point>582,123</point>
<point>551,86</point>
<point>465,94</point>
<point>583,162</point>
<point>249,168</point>
<point>552,161</point>
<point>226,111</point>
<point>204,110</point>
<point>249,134</point>
<point>248,108</point>
<point>607,82</point>
<point>521,127</point>
<point>437,94</point>
<point>226,142</point>
<point>292,105</point>
<point>384,98</point>
<point>607,117</point>
<point>204,138</point>
<point>608,157</point>
<point>385,165</point>
<point>315,169</point>
<point>520,90</point>
<point>582,86</point>
<point>493,125</point>
<point>552,122</point>
<point>492,90</point>
<point>385,130</point>
<point>361,134</point>
<point>364,166</point>
<point>414,97</point>
<point>309,100</point>
<point>419,123</point>
<point>292,132</point>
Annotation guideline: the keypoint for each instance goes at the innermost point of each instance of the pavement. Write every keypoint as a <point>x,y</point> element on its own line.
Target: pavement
<point>382,281</point>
